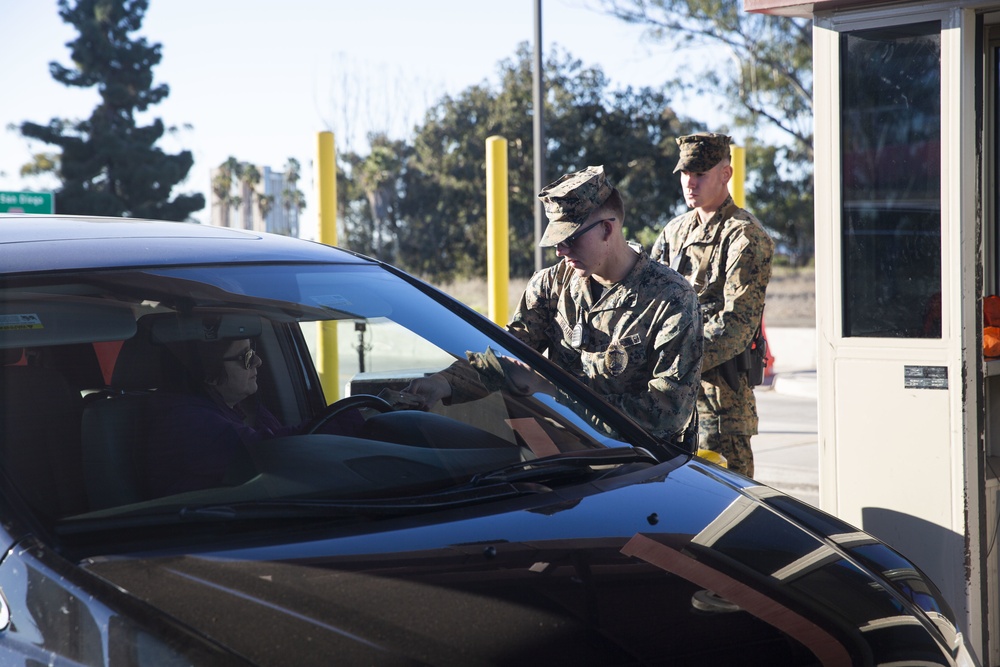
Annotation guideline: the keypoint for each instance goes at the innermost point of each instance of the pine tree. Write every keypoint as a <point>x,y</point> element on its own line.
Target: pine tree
<point>109,164</point>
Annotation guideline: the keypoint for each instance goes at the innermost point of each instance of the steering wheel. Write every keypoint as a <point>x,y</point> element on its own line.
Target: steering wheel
<point>358,401</point>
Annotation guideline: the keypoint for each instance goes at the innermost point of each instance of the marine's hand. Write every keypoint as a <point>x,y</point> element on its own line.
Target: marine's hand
<point>523,380</point>
<point>428,390</point>
<point>400,400</point>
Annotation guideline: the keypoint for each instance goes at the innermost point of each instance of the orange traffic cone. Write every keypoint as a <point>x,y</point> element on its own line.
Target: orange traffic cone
<point>769,363</point>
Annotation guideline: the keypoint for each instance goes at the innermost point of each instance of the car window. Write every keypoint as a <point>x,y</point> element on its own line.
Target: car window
<point>112,407</point>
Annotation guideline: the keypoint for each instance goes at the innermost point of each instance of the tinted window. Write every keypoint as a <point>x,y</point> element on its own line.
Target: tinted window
<point>109,385</point>
<point>891,217</point>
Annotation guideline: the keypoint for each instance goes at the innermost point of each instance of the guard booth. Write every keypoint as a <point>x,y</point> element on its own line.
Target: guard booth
<point>907,144</point>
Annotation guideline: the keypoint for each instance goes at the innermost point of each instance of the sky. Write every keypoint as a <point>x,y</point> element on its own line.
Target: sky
<point>258,80</point>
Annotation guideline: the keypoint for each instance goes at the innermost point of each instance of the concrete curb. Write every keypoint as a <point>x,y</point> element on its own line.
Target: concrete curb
<point>794,350</point>
<point>786,449</point>
<point>799,383</point>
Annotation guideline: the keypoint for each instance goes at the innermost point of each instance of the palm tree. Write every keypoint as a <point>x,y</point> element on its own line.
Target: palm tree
<point>292,171</point>
<point>236,201</point>
<point>246,179</point>
<point>292,199</point>
<point>235,169</point>
<point>264,204</point>
<point>222,187</point>
<point>249,180</point>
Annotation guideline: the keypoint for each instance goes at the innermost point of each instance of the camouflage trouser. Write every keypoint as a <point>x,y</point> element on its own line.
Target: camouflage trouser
<point>736,449</point>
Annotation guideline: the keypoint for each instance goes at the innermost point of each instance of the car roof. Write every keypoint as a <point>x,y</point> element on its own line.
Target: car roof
<point>30,243</point>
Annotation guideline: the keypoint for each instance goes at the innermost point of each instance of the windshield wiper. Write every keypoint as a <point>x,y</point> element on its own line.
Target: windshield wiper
<point>511,481</point>
<point>298,508</point>
<point>515,479</point>
<point>568,463</point>
<point>355,509</point>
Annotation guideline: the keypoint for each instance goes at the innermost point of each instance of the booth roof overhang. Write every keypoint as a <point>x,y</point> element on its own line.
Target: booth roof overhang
<point>807,9</point>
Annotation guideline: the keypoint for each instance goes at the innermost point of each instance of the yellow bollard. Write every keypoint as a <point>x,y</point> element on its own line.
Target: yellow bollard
<point>327,360</point>
<point>713,456</point>
<point>738,159</point>
<point>497,244</point>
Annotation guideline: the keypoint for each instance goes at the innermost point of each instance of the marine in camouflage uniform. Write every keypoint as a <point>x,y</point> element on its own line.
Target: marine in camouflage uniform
<point>727,259</point>
<point>626,326</point>
<point>651,316</point>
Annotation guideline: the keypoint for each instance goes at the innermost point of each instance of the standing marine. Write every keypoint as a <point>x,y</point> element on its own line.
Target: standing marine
<point>725,254</point>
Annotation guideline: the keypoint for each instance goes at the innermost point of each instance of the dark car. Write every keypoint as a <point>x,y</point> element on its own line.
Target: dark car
<point>340,525</point>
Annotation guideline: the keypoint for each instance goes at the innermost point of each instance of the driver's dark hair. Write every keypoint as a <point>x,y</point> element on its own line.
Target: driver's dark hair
<point>208,356</point>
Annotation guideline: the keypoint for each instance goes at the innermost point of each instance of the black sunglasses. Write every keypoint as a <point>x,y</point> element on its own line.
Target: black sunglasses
<point>245,357</point>
<point>570,240</point>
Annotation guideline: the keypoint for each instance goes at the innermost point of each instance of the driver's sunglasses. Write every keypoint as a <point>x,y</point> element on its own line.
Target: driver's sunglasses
<point>570,240</point>
<point>245,357</point>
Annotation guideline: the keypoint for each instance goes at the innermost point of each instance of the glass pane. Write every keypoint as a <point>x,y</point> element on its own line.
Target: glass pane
<point>992,260</point>
<point>193,385</point>
<point>891,179</point>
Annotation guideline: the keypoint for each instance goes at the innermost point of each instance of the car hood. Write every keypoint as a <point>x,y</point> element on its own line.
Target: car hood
<point>697,564</point>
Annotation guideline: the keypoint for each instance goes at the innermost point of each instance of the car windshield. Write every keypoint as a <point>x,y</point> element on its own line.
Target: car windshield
<point>121,409</point>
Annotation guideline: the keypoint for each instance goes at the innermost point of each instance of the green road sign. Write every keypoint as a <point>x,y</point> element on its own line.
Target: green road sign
<point>27,202</point>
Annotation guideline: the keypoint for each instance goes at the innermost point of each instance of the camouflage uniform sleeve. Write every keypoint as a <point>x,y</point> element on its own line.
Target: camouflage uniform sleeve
<point>536,310</point>
<point>466,383</point>
<point>667,401</point>
<point>658,253</point>
<point>480,374</point>
<point>748,270</point>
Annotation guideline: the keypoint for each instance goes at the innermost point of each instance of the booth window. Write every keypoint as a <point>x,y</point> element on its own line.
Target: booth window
<point>991,260</point>
<point>891,181</point>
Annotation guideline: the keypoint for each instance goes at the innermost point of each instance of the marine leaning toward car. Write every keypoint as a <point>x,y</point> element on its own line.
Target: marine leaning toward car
<point>516,528</point>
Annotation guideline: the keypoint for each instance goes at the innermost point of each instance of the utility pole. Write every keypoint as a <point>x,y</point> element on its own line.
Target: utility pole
<point>539,133</point>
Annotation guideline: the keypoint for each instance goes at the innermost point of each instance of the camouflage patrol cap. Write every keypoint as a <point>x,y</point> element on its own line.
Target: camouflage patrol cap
<point>700,152</point>
<point>570,200</point>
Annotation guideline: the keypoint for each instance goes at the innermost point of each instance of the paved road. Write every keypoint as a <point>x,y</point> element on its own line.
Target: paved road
<point>786,450</point>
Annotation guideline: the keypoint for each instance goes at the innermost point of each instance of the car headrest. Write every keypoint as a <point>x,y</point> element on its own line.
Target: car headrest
<point>174,328</point>
<point>10,356</point>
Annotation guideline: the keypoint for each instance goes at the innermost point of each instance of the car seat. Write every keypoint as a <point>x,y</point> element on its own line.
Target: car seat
<point>40,448</point>
<point>115,428</point>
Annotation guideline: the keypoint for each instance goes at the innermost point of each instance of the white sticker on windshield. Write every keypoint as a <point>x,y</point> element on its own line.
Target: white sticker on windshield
<point>335,301</point>
<point>23,321</point>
